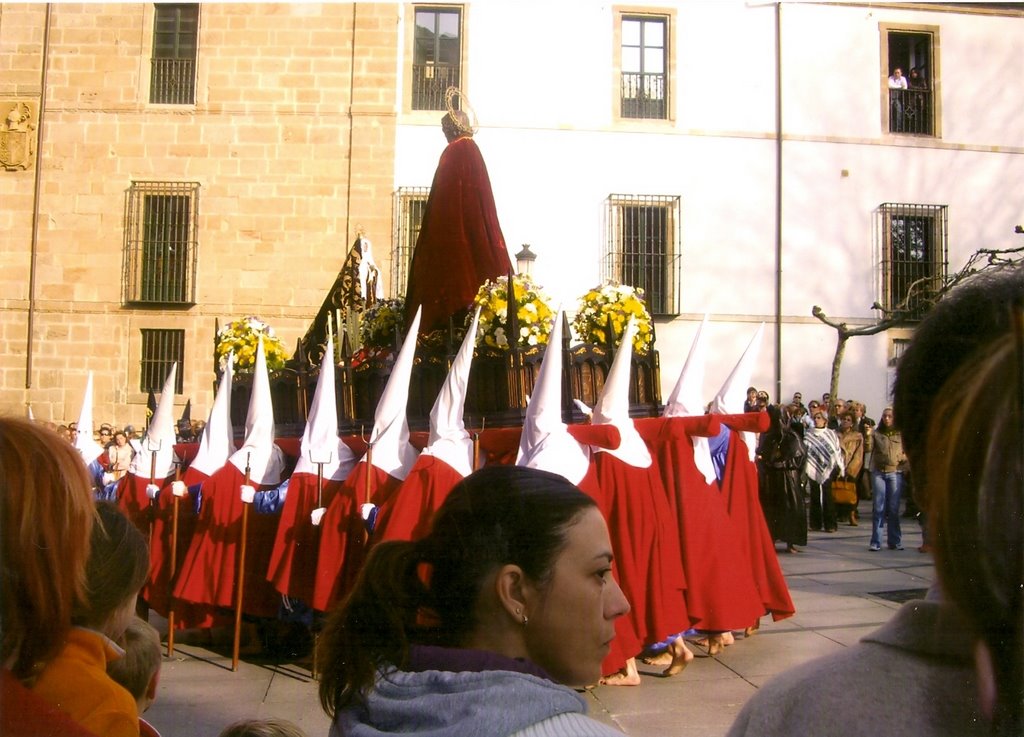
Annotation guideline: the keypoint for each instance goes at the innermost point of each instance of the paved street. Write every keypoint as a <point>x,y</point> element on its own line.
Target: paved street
<point>841,591</point>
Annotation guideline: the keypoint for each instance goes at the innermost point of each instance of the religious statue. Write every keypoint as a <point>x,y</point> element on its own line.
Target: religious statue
<point>460,245</point>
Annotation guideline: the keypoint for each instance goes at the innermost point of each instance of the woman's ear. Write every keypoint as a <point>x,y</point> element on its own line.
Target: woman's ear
<point>511,587</point>
<point>986,676</point>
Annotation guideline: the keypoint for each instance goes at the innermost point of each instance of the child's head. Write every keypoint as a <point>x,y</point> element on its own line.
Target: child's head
<point>262,728</point>
<point>139,669</point>
<point>117,567</point>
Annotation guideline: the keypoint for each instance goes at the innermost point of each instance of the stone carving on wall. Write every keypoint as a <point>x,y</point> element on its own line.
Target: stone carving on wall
<point>17,134</point>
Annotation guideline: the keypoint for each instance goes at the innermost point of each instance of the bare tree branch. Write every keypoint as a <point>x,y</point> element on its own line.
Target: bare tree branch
<point>921,295</point>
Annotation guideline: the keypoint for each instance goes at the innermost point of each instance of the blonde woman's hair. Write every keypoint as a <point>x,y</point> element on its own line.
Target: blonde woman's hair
<point>47,516</point>
<point>262,728</point>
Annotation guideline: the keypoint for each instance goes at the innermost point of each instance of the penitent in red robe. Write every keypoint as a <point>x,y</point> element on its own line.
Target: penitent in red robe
<point>740,485</point>
<point>409,513</point>
<point>343,537</point>
<point>147,517</point>
<point>293,561</point>
<point>647,555</point>
<point>460,245</point>
<point>720,593</point>
<point>209,571</point>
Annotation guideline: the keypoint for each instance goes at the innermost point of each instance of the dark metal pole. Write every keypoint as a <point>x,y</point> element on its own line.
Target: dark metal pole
<point>35,203</point>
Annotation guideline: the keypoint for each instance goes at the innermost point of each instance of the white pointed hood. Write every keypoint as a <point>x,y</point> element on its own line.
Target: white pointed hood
<point>320,441</point>
<point>545,442</point>
<point>686,399</point>
<point>449,439</point>
<point>160,437</point>
<point>392,452</point>
<point>218,440</point>
<point>86,445</point>
<point>729,400</point>
<point>259,452</point>
<point>612,406</point>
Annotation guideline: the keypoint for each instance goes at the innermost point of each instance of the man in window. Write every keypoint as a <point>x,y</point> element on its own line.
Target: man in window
<point>897,91</point>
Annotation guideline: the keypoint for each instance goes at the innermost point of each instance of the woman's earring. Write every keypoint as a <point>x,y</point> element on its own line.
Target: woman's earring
<point>526,620</point>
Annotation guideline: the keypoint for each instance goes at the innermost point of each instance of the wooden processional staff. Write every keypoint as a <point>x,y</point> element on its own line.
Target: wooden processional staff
<point>174,565</point>
<point>240,580</point>
<point>314,671</point>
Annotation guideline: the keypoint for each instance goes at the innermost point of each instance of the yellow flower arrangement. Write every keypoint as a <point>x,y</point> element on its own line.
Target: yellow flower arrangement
<point>242,338</point>
<point>534,313</point>
<point>610,307</point>
<point>381,323</point>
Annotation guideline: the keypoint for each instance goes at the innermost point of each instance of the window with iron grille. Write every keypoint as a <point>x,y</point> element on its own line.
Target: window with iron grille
<point>160,243</point>
<point>409,207</point>
<point>175,45</point>
<point>644,86</point>
<point>911,108</point>
<point>897,348</point>
<point>913,248</point>
<point>643,248</point>
<point>437,55</point>
<point>161,349</point>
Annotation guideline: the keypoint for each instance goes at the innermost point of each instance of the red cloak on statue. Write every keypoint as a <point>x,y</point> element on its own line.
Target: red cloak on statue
<point>460,245</point>
<point>210,569</point>
<point>740,486</point>
<point>720,593</point>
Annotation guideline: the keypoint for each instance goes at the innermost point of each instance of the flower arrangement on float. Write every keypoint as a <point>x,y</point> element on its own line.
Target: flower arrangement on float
<point>534,313</point>
<point>604,313</point>
<point>379,330</point>
<point>242,337</point>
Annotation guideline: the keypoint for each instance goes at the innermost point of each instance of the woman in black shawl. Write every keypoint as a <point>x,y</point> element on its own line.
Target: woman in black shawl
<point>782,499</point>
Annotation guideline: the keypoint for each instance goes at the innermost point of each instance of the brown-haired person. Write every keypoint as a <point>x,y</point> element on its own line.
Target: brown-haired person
<point>975,496</point>
<point>959,653</point>
<point>76,678</point>
<point>139,670</point>
<point>46,513</point>
<point>481,625</point>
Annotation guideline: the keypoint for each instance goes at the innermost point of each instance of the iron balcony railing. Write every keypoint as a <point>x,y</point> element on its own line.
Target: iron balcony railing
<point>429,82</point>
<point>910,111</point>
<point>643,95</point>
<point>173,82</point>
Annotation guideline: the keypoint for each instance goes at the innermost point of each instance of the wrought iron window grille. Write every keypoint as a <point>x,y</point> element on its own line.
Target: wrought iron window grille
<point>160,243</point>
<point>161,349</point>
<point>643,248</point>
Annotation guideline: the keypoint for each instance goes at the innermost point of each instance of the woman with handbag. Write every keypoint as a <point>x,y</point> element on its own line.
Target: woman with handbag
<point>824,461</point>
<point>844,488</point>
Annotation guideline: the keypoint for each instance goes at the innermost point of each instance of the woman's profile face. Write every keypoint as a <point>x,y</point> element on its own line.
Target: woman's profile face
<point>571,627</point>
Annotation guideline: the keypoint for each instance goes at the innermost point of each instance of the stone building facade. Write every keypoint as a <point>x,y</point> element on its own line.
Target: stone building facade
<point>288,147</point>
<point>787,173</point>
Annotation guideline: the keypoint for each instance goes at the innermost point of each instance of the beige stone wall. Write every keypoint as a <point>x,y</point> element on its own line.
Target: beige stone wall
<point>291,139</point>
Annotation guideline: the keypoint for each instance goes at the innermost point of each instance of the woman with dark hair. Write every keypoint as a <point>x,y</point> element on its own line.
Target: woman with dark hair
<point>888,465</point>
<point>485,621</point>
<point>76,678</point>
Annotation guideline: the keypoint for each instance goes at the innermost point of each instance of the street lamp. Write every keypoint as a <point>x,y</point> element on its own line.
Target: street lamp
<point>525,259</point>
